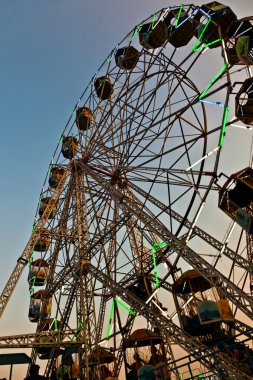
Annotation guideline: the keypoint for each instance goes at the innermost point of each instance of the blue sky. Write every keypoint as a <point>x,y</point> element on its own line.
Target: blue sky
<point>49,51</point>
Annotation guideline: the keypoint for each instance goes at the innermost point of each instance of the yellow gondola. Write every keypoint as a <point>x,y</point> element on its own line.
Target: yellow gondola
<point>38,272</point>
<point>203,311</point>
<point>40,307</point>
<point>69,146</point>
<point>43,242</point>
<point>84,118</point>
<point>56,174</point>
<point>103,87</point>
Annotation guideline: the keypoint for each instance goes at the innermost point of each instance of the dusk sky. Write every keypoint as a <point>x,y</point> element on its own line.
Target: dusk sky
<point>50,49</point>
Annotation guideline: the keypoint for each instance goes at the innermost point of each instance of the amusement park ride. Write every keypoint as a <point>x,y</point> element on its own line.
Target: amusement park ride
<point>124,264</point>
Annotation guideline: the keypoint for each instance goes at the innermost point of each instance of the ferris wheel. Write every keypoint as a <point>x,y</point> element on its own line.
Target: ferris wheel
<point>143,236</point>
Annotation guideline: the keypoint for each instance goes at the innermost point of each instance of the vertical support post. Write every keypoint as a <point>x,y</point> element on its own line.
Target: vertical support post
<point>190,371</point>
<point>11,372</point>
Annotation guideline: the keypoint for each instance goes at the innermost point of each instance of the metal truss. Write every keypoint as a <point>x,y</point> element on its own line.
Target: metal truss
<point>25,257</point>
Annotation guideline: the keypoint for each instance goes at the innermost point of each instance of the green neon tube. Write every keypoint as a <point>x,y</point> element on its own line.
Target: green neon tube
<point>34,226</point>
<point>34,279</point>
<point>199,39</point>
<point>162,244</point>
<point>31,290</point>
<point>55,329</point>
<point>206,45</point>
<point>155,267</point>
<point>136,31</point>
<point>31,259</point>
<point>153,21</point>
<point>110,320</point>
<point>179,15</point>
<point>61,136</point>
<point>224,125</point>
<point>50,167</point>
<point>124,306</point>
<point>79,325</point>
<point>40,198</point>
<point>213,80</point>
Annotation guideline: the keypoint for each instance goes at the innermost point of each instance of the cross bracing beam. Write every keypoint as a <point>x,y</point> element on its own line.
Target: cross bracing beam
<point>233,293</point>
<point>238,325</point>
<point>166,326</point>
<point>60,338</point>
<point>64,321</point>
<point>216,278</point>
<point>229,253</point>
<point>226,251</point>
<point>25,257</point>
<point>62,226</point>
<point>91,247</point>
<point>129,324</point>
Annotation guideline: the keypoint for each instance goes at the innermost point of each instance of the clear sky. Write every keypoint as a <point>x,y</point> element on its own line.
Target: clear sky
<point>49,51</point>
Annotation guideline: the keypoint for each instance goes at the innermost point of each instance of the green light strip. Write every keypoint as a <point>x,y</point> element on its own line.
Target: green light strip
<point>199,39</point>
<point>31,259</point>
<point>162,244</point>
<point>31,290</point>
<point>203,31</point>
<point>153,21</point>
<point>115,300</point>
<point>56,329</point>
<point>207,45</point>
<point>34,226</point>
<point>110,320</point>
<point>40,198</point>
<point>213,80</point>
<point>49,169</point>
<point>136,31</point>
<point>79,326</point>
<point>179,15</point>
<point>34,279</point>
<point>61,136</point>
<point>224,125</point>
<point>155,267</point>
<point>125,307</point>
